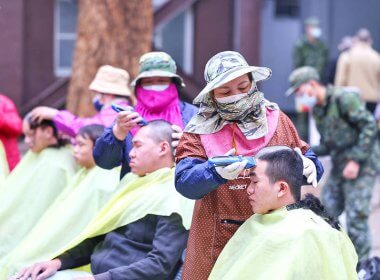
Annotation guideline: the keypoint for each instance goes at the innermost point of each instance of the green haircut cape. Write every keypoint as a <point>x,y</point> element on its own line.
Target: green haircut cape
<point>154,194</point>
<point>71,212</point>
<point>29,191</point>
<point>4,168</point>
<point>284,245</point>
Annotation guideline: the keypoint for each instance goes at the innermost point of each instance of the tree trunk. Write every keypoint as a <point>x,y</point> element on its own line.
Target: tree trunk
<point>113,32</point>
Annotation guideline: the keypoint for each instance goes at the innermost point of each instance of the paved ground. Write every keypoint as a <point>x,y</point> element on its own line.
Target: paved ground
<point>375,215</point>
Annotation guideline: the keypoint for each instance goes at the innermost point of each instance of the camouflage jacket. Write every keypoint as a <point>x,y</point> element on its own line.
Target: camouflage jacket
<point>307,54</point>
<point>348,131</point>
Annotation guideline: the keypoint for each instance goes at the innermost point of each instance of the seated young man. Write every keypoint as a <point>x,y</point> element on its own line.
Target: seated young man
<point>85,195</point>
<point>148,231</point>
<point>33,185</point>
<point>286,238</point>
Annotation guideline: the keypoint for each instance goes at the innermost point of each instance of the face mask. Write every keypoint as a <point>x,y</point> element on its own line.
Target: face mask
<point>316,32</point>
<point>156,87</point>
<point>238,110</point>
<point>305,103</point>
<point>97,104</point>
<point>231,99</point>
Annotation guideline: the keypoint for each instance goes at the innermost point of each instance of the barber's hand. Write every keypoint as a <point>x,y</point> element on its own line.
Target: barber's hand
<point>309,169</point>
<point>43,113</point>
<point>39,271</point>
<point>176,135</point>
<point>232,171</point>
<point>124,122</point>
<point>351,170</point>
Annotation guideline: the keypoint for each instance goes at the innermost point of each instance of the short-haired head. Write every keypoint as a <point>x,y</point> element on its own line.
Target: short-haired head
<point>284,164</point>
<point>363,35</point>
<point>160,130</point>
<point>152,148</point>
<point>92,131</point>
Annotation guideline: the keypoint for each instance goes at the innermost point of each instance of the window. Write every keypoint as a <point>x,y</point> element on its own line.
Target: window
<point>287,8</point>
<point>176,38</point>
<point>65,19</point>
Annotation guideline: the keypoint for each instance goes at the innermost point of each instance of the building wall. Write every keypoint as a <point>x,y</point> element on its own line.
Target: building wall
<point>38,47</point>
<point>278,36</point>
<point>213,32</point>
<point>11,50</point>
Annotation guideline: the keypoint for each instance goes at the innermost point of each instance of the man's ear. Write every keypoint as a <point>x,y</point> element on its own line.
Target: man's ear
<point>283,188</point>
<point>164,148</point>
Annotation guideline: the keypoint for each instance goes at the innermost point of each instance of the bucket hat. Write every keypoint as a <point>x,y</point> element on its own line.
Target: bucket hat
<point>226,66</point>
<point>157,64</point>
<point>111,80</point>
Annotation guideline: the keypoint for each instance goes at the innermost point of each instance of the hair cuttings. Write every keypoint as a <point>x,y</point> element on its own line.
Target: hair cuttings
<point>314,204</point>
<point>92,131</point>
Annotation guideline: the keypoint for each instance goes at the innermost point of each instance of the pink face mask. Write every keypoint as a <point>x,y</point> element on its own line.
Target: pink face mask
<point>156,101</point>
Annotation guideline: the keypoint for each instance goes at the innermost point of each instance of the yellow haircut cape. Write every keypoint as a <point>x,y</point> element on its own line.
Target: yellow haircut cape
<point>139,196</point>
<point>29,190</point>
<point>65,219</point>
<point>295,244</point>
<point>4,168</point>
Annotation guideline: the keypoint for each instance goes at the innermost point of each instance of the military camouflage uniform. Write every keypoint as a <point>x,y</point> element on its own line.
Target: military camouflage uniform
<point>307,54</point>
<point>348,132</point>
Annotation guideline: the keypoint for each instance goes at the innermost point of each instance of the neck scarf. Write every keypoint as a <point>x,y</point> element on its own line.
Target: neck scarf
<point>249,113</point>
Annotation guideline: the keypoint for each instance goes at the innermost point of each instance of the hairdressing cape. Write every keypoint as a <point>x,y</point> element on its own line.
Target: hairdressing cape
<point>138,196</point>
<point>71,212</point>
<point>4,169</point>
<point>29,190</point>
<point>295,244</point>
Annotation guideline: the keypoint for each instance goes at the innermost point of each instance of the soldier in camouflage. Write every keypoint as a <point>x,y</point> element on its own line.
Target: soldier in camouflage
<point>348,135</point>
<point>309,51</point>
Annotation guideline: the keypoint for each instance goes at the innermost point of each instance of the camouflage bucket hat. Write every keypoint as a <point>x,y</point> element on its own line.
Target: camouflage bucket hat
<point>157,64</point>
<point>226,66</point>
<point>314,21</point>
<point>300,76</point>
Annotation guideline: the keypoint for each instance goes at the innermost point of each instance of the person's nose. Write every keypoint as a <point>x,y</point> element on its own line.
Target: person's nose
<point>132,153</point>
<point>250,189</point>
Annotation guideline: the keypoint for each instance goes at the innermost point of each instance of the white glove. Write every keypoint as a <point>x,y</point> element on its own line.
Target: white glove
<point>232,171</point>
<point>309,169</point>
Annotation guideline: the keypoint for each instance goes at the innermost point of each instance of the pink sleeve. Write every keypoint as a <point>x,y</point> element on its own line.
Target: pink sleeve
<point>70,124</point>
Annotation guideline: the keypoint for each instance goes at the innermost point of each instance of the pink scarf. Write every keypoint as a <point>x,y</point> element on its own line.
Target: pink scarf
<point>218,143</point>
<point>153,105</point>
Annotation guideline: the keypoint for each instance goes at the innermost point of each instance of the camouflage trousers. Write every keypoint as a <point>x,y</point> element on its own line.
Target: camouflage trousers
<point>353,197</point>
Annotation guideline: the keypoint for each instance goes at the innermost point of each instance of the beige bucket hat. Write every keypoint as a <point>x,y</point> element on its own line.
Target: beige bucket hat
<point>111,80</point>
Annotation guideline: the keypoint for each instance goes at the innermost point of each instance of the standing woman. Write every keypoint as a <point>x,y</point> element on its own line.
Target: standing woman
<point>157,89</point>
<point>234,115</point>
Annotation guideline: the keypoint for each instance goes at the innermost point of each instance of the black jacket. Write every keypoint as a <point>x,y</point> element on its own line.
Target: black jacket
<point>149,248</point>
